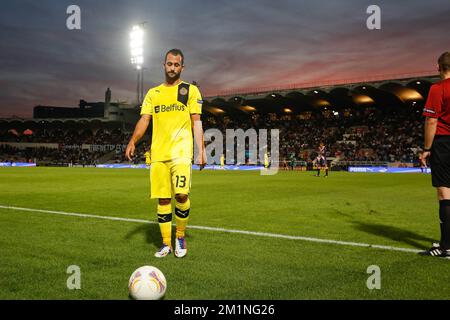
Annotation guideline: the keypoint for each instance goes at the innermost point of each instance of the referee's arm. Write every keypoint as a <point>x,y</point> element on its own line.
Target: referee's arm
<point>430,132</point>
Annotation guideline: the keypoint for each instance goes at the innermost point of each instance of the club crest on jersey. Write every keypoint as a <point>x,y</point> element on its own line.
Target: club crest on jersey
<point>183,91</point>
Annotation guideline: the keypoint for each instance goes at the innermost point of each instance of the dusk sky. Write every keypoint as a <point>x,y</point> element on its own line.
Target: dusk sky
<point>228,45</point>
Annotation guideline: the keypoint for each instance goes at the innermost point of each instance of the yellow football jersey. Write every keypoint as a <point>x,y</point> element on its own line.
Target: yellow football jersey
<point>171,109</point>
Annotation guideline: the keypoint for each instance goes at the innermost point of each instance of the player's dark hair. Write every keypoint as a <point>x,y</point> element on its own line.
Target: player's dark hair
<point>444,62</point>
<point>176,52</point>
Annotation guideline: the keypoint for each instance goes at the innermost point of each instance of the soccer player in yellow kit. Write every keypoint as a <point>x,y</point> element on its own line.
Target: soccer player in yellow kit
<point>266,160</point>
<point>175,108</point>
<point>222,161</point>
<point>148,158</point>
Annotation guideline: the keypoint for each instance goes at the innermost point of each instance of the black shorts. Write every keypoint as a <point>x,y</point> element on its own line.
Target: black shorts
<point>440,162</point>
<point>322,162</point>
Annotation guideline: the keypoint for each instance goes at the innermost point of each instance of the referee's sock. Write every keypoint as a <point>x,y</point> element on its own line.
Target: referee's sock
<point>182,217</point>
<point>444,216</point>
<point>165,223</point>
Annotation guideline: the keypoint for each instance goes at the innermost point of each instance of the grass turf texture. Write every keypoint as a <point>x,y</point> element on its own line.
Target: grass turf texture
<point>385,209</point>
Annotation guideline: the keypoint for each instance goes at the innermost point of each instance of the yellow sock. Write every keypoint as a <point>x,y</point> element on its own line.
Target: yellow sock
<point>182,217</point>
<point>165,223</point>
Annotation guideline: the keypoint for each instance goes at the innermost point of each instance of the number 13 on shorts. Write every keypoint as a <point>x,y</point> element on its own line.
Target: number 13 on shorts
<point>170,177</point>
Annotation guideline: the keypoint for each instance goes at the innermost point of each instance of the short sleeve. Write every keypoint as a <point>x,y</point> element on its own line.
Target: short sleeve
<point>434,102</point>
<point>147,107</point>
<point>195,102</point>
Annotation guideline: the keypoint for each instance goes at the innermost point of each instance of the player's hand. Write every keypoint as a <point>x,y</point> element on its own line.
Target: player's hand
<point>423,157</point>
<point>201,160</point>
<point>129,153</point>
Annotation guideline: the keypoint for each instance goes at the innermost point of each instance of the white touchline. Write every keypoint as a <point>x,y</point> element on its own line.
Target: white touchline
<point>252,233</point>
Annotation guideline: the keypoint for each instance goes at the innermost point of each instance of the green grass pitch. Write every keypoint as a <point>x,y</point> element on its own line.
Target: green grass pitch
<point>400,211</point>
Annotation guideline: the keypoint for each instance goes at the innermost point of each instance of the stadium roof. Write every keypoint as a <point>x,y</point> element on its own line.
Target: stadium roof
<point>404,91</point>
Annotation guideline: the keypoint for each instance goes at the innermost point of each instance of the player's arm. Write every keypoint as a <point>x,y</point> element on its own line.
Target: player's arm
<point>139,131</point>
<point>195,109</point>
<point>199,140</point>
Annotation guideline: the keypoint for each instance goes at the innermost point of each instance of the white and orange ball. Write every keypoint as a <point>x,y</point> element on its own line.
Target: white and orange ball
<point>147,283</point>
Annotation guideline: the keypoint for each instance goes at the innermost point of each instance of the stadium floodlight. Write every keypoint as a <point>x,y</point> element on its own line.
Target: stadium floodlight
<point>137,57</point>
<point>137,46</point>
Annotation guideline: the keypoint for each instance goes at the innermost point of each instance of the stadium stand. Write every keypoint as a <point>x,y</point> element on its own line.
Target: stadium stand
<point>369,123</point>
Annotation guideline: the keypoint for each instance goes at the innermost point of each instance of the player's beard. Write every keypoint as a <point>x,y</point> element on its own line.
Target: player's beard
<point>172,78</point>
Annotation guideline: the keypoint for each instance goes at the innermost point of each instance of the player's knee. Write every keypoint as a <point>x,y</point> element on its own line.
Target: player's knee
<point>164,202</point>
<point>443,193</point>
<point>181,198</point>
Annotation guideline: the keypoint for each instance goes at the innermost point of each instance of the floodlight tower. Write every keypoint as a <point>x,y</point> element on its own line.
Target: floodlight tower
<point>137,57</point>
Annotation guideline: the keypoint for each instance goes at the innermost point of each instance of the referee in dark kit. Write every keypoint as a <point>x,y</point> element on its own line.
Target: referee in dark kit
<point>437,149</point>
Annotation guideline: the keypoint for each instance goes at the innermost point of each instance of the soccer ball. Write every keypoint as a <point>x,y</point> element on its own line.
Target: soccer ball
<point>147,283</point>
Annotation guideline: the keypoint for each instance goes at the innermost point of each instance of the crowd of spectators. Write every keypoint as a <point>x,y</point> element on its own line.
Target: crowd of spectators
<point>65,137</point>
<point>73,147</point>
<point>361,135</point>
<point>50,156</point>
<point>364,135</point>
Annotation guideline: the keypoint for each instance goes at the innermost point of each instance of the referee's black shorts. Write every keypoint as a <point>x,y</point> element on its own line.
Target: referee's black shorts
<point>440,162</point>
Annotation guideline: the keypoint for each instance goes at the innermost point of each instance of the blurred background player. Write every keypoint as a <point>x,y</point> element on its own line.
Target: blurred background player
<point>175,107</point>
<point>222,161</point>
<point>148,159</point>
<point>285,164</point>
<point>266,160</point>
<point>437,148</point>
<point>292,162</point>
<point>321,160</point>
